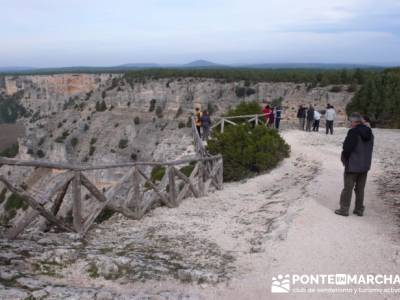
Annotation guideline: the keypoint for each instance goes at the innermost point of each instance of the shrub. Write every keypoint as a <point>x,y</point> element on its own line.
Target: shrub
<point>181,125</point>
<point>157,173</point>
<point>123,143</point>
<point>187,170</point>
<point>92,149</point>
<point>40,153</point>
<point>152,105</point>
<point>15,202</point>
<point>74,142</point>
<point>101,106</point>
<point>86,127</point>
<point>159,112</point>
<point>248,151</point>
<point>93,141</point>
<point>136,120</point>
<point>245,108</point>
<point>336,89</point>
<point>179,112</point>
<point>11,151</point>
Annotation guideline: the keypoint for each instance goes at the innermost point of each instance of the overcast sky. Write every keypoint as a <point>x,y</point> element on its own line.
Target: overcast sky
<point>51,33</point>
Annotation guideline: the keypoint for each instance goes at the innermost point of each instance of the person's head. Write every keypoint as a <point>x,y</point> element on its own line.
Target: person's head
<point>267,107</point>
<point>311,107</point>
<point>328,106</point>
<point>355,119</point>
<point>197,109</point>
<point>205,112</point>
<point>366,119</point>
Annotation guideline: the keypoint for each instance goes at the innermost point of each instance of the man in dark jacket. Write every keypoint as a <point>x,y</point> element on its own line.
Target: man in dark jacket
<point>310,118</point>
<point>356,158</point>
<point>301,115</point>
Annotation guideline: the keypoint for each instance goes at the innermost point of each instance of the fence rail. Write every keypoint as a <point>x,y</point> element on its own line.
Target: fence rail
<point>257,119</point>
<point>170,191</point>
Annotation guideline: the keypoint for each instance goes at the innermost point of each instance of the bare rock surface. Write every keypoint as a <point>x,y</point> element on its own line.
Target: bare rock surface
<point>229,244</point>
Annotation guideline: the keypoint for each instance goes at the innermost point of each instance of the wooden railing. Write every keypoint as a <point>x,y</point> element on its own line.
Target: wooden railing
<point>143,193</point>
<point>234,120</point>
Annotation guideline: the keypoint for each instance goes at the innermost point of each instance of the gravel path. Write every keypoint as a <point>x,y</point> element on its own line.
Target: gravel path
<point>229,245</point>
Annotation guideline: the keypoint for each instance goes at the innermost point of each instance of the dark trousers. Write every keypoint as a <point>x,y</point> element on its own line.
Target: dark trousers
<point>309,124</point>
<point>301,123</point>
<point>198,130</point>
<point>316,125</point>
<point>357,182</point>
<point>329,127</point>
<point>277,122</point>
<point>206,132</point>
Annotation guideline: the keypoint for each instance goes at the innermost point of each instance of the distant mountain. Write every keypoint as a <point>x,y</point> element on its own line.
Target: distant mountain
<point>197,64</point>
<point>139,65</point>
<point>201,63</point>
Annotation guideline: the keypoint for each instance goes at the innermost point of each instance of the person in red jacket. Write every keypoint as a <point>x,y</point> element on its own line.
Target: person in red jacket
<point>267,111</point>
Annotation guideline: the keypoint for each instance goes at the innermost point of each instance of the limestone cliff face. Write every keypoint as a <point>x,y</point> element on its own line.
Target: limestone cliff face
<point>102,118</point>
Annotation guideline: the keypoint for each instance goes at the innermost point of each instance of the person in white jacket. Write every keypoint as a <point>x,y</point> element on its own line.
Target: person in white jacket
<point>330,116</point>
<point>317,118</point>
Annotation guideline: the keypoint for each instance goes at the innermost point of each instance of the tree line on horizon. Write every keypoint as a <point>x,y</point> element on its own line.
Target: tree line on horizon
<point>313,77</point>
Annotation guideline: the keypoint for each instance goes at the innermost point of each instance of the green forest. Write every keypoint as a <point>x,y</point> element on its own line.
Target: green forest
<point>313,77</point>
<point>379,99</point>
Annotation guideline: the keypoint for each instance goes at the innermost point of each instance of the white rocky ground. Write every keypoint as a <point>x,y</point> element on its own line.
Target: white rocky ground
<point>227,245</point>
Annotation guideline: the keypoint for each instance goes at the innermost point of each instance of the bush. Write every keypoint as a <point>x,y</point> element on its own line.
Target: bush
<point>152,105</point>
<point>93,141</point>
<point>157,173</point>
<point>379,98</point>
<point>336,89</point>
<point>181,125</point>
<point>123,143</point>
<point>92,149</point>
<point>245,108</point>
<point>101,106</point>
<point>136,120</point>
<point>74,142</point>
<point>159,112</point>
<point>248,151</point>
<point>11,151</point>
<point>40,153</point>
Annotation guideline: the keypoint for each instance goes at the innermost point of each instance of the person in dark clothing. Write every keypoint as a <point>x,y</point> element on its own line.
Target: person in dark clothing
<point>205,125</point>
<point>271,120</point>
<point>301,115</point>
<point>197,120</point>
<point>278,115</point>
<point>310,118</point>
<point>356,158</point>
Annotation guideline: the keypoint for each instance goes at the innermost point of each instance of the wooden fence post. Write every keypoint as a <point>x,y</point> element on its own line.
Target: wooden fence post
<point>77,202</point>
<point>222,125</point>
<point>200,178</point>
<point>172,186</point>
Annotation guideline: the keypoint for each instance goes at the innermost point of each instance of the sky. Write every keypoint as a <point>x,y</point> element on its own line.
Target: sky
<point>55,33</point>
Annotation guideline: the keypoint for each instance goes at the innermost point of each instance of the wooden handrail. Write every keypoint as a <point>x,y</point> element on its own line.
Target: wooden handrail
<point>65,166</point>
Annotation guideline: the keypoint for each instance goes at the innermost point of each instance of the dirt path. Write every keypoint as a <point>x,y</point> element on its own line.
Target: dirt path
<point>229,244</point>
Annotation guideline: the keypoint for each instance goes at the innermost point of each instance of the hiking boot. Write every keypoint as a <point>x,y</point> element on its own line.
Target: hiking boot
<point>342,213</point>
<point>359,213</point>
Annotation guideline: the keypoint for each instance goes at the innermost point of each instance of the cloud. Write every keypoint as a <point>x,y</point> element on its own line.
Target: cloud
<point>47,32</point>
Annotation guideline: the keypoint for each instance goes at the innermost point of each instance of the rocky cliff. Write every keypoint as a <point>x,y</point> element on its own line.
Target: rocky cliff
<point>93,118</point>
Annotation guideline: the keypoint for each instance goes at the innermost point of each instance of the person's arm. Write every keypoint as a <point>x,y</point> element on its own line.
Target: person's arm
<point>349,144</point>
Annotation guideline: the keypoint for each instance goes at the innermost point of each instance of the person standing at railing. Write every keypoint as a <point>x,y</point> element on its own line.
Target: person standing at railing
<point>317,118</point>
<point>205,125</point>
<point>310,118</point>
<point>267,112</point>
<point>278,115</point>
<point>330,116</point>
<point>197,120</point>
<point>301,115</point>
<point>271,119</point>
